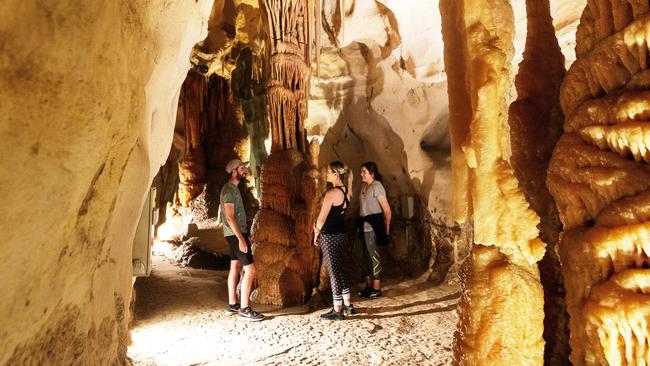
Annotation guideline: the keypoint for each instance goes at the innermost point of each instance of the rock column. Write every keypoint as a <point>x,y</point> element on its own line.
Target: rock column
<point>287,263</point>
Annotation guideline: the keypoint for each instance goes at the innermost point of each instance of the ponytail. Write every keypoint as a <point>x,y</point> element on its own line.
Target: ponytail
<point>341,170</point>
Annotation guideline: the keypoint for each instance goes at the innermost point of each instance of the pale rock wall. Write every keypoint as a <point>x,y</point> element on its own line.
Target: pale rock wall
<point>88,103</point>
<point>379,96</point>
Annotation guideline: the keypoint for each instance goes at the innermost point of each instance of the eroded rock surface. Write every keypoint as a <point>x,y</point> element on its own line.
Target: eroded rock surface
<point>89,96</point>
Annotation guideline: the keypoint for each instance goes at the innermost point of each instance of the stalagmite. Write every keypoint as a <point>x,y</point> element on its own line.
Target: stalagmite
<point>501,309</point>
<point>599,178</point>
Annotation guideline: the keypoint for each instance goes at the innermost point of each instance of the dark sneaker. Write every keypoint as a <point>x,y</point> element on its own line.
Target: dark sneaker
<point>333,315</point>
<point>249,314</point>
<point>232,309</point>
<point>373,294</point>
<point>349,310</point>
<point>364,293</point>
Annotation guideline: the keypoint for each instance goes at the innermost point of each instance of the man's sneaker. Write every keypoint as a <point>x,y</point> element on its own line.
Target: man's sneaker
<point>333,315</point>
<point>249,314</point>
<point>232,309</point>
<point>364,293</point>
<point>349,310</point>
<point>373,294</point>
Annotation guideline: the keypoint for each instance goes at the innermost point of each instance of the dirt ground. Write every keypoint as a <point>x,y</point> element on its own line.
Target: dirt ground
<point>179,320</point>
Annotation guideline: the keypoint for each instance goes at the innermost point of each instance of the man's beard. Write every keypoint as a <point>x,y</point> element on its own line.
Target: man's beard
<point>242,177</point>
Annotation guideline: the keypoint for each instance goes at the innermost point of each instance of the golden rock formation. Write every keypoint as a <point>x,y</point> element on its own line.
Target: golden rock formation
<point>213,134</point>
<point>501,310</point>
<point>287,264</point>
<point>599,178</point>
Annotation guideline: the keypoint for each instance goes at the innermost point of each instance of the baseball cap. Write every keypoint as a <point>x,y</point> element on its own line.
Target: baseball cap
<point>234,164</point>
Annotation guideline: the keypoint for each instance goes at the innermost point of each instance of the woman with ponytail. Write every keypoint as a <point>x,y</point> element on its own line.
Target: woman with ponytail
<point>329,233</point>
<point>374,227</point>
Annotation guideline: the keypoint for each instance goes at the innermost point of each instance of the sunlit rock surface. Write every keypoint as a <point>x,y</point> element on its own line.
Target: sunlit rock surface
<point>89,95</point>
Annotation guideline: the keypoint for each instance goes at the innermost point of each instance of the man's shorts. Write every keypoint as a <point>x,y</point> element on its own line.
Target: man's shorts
<point>236,254</point>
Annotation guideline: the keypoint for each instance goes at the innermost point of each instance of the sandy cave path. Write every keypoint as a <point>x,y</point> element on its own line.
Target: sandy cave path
<point>179,320</point>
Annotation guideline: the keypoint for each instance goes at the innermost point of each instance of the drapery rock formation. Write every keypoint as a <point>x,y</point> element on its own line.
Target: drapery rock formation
<point>599,178</point>
<point>89,96</point>
<point>213,133</point>
<point>287,263</point>
<point>501,308</point>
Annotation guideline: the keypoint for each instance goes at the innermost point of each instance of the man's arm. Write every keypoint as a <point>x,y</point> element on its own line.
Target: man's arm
<point>229,211</point>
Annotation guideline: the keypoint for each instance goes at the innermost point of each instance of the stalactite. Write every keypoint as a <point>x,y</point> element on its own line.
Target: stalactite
<point>598,177</point>
<point>192,115</point>
<point>342,9</point>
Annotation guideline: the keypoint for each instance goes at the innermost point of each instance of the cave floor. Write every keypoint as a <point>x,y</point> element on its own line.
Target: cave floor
<point>179,320</point>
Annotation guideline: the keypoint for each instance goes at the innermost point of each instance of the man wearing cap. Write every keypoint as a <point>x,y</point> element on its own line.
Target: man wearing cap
<point>233,217</point>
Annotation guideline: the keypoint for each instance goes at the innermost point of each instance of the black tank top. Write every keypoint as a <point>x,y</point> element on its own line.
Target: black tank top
<point>334,223</point>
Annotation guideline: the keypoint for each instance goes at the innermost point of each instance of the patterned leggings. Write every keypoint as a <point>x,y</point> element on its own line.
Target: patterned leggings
<point>333,246</point>
<point>373,252</point>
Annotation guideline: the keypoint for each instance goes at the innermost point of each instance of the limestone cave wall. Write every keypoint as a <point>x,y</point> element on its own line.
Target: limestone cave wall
<point>89,95</point>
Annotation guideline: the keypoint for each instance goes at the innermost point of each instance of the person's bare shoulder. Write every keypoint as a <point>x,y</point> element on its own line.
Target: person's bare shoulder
<point>333,194</point>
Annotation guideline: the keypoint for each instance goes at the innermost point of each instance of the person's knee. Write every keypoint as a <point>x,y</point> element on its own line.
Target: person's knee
<point>250,270</point>
<point>235,266</point>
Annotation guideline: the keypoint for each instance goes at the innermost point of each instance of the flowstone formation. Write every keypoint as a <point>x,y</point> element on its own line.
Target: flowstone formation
<point>600,180</point>
<point>287,263</point>
<point>501,309</point>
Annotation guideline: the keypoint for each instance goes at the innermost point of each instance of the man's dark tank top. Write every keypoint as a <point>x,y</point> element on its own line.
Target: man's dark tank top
<point>334,223</point>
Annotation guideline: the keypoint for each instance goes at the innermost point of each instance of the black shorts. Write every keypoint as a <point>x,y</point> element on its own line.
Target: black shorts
<point>236,254</point>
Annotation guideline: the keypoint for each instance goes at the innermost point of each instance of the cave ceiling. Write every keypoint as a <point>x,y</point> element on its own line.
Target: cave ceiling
<point>414,26</point>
